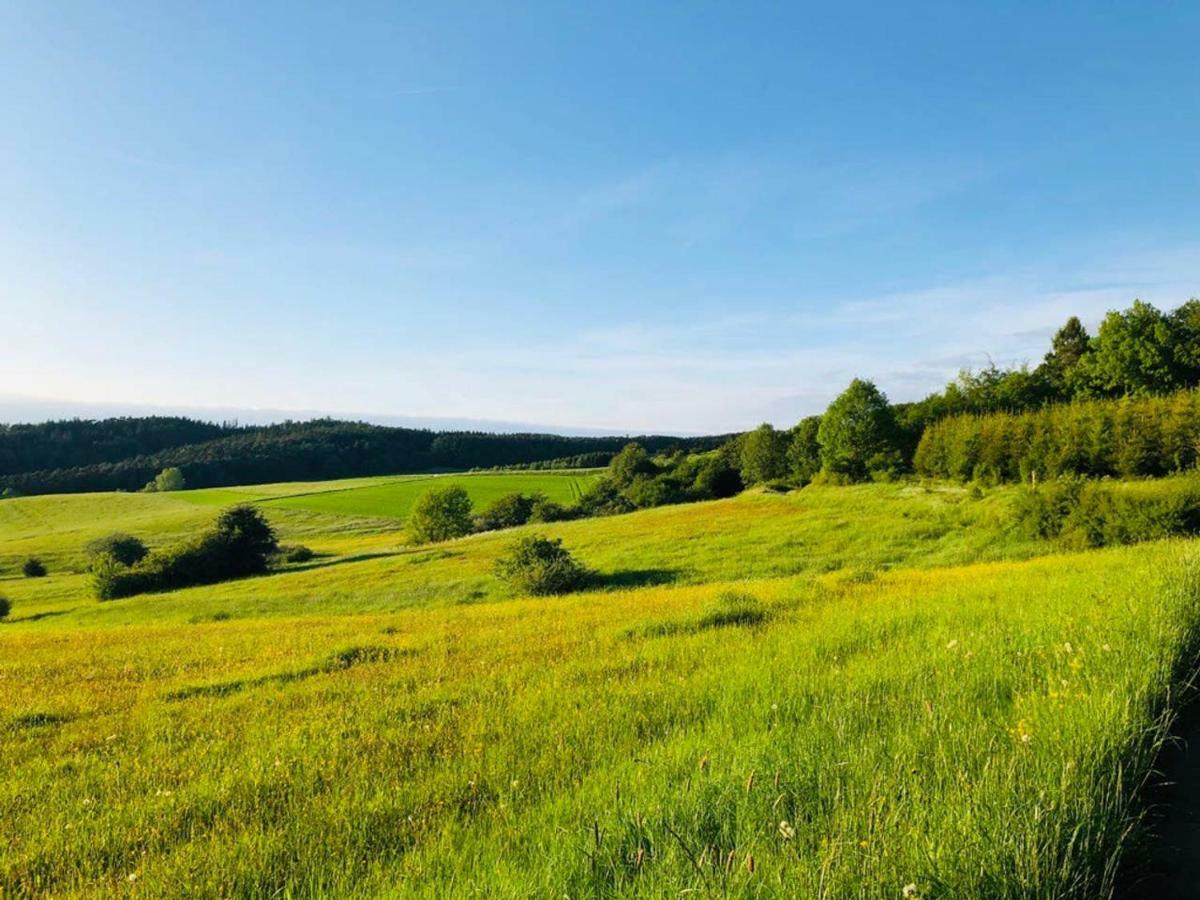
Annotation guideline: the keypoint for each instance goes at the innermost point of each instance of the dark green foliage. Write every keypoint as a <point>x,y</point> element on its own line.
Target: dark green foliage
<point>716,479</point>
<point>1138,351</point>
<point>1131,437</point>
<point>9,493</point>
<point>1068,347</point>
<point>538,565</point>
<point>248,538</point>
<point>661,490</point>
<point>292,451</point>
<point>804,450</point>
<point>508,511</point>
<point>1185,327</point>
<point>546,510</point>
<point>858,435</point>
<point>241,542</point>
<point>124,548</point>
<point>440,514</point>
<point>1133,353</point>
<point>764,455</point>
<point>73,443</point>
<point>631,464</point>
<point>5,607</point>
<point>294,553</point>
<point>604,498</point>
<point>1101,513</point>
<point>33,568</point>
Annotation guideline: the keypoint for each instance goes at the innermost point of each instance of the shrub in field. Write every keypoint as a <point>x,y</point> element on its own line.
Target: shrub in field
<point>508,511</point>
<point>5,607</point>
<point>33,568</point>
<point>124,548</point>
<point>170,479</point>
<point>544,510</point>
<point>241,542</point>
<point>1101,513</point>
<point>717,479</point>
<point>604,498</point>
<point>294,553</point>
<point>658,491</point>
<point>441,513</point>
<point>539,565</point>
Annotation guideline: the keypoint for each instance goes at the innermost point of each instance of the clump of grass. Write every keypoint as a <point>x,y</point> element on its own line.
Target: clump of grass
<point>727,609</point>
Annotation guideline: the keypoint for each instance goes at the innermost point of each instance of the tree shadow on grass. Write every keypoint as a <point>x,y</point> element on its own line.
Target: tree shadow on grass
<point>34,617</point>
<point>634,578</point>
<point>324,561</point>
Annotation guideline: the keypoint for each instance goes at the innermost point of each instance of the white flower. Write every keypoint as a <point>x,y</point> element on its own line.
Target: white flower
<point>786,830</point>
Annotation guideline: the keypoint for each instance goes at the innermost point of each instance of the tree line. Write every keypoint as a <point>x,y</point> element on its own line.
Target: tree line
<point>1130,437</point>
<point>316,450</point>
<point>1136,353</point>
<point>1116,403</point>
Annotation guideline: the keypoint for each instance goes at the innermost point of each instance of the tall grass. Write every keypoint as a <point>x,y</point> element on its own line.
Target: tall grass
<point>977,731</point>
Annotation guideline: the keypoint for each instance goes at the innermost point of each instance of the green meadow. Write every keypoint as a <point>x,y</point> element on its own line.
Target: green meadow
<point>865,691</point>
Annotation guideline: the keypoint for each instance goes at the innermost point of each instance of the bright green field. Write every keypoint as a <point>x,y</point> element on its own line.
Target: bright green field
<point>921,697</point>
<point>394,498</point>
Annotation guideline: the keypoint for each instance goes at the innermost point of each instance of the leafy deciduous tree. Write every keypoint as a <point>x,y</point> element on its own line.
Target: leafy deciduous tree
<point>441,513</point>
<point>858,434</point>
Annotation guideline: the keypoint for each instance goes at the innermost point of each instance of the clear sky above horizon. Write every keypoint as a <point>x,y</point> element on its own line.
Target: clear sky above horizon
<point>644,217</point>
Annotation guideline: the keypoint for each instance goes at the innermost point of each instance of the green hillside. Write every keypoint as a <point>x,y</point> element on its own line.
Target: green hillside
<point>845,690</point>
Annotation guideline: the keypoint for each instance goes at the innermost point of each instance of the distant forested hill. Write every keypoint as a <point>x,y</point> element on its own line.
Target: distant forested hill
<point>124,454</point>
<point>83,442</point>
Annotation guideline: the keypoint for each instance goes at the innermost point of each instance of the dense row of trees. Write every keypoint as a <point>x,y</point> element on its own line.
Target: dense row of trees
<point>319,450</point>
<point>969,430</point>
<point>856,439</point>
<point>1133,436</point>
<point>1140,351</point>
<point>1137,352</point>
<point>81,442</point>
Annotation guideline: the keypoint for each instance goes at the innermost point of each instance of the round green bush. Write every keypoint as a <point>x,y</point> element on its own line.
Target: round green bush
<point>538,565</point>
<point>295,553</point>
<point>124,548</point>
<point>33,568</point>
<point>5,607</point>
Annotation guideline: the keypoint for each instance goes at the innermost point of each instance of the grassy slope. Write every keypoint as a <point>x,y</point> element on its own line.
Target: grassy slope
<point>368,568</point>
<point>395,498</point>
<point>958,729</point>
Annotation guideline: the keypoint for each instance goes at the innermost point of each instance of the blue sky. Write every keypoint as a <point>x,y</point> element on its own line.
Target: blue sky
<point>628,216</point>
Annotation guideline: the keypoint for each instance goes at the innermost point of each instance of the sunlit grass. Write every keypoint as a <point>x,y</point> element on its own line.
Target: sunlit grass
<point>766,696</point>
